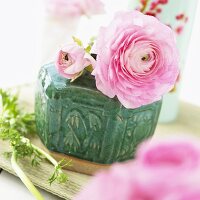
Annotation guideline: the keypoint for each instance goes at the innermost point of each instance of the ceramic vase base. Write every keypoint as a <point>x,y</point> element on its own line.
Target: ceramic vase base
<point>78,165</point>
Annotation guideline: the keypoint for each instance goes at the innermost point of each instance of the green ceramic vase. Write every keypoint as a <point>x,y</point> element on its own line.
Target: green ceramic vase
<point>78,120</point>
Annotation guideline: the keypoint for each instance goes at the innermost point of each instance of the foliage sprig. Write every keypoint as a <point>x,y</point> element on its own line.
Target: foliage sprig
<point>16,126</point>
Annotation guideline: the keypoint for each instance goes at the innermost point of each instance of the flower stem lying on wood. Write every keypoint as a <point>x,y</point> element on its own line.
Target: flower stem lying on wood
<point>24,178</point>
<point>15,126</point>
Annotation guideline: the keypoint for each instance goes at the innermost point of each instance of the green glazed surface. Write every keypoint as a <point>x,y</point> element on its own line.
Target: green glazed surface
<point>78,120</point>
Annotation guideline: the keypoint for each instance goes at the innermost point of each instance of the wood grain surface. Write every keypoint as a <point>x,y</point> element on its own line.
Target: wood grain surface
<point>39,175</point>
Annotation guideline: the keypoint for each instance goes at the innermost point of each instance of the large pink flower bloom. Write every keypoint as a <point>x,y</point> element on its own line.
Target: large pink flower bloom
<point>72,59</point>
<point>137,59</point>
<point>161,171</point>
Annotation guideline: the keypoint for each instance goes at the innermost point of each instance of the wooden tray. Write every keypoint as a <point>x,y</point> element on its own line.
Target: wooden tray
<point>39,175</point>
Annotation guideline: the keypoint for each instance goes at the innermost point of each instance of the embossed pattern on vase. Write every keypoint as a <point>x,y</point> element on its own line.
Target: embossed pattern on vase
<point>78,120</point>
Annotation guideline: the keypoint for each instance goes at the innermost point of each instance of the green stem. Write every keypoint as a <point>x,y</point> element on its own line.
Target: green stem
<point>48,157</point>
<point>24,178</point>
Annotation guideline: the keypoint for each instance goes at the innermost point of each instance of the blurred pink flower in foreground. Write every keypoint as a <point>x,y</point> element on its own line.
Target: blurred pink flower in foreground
<point>74,8</point>
<point>163,170</point>
<point>137,59</point>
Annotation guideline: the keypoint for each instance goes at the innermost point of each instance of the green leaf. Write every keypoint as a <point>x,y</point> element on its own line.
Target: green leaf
<point>58,175</point>
<point>92,39</point>
<point>90,44</point>
<point>88,49</point>
<point>89,68</point>
<point>15,125</point>
<point>78,41</point>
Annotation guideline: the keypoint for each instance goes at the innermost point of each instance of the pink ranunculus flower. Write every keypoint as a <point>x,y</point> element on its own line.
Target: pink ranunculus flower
<point>188,194</point>
<point>74,8</point>
<point>170,171</point>
<point>113,184</point>
<point>137,59</point>
<point>180,155</point>
<point>72,59</point>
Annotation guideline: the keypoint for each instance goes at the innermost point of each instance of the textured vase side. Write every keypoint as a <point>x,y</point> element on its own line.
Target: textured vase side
<point>78,120</point>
